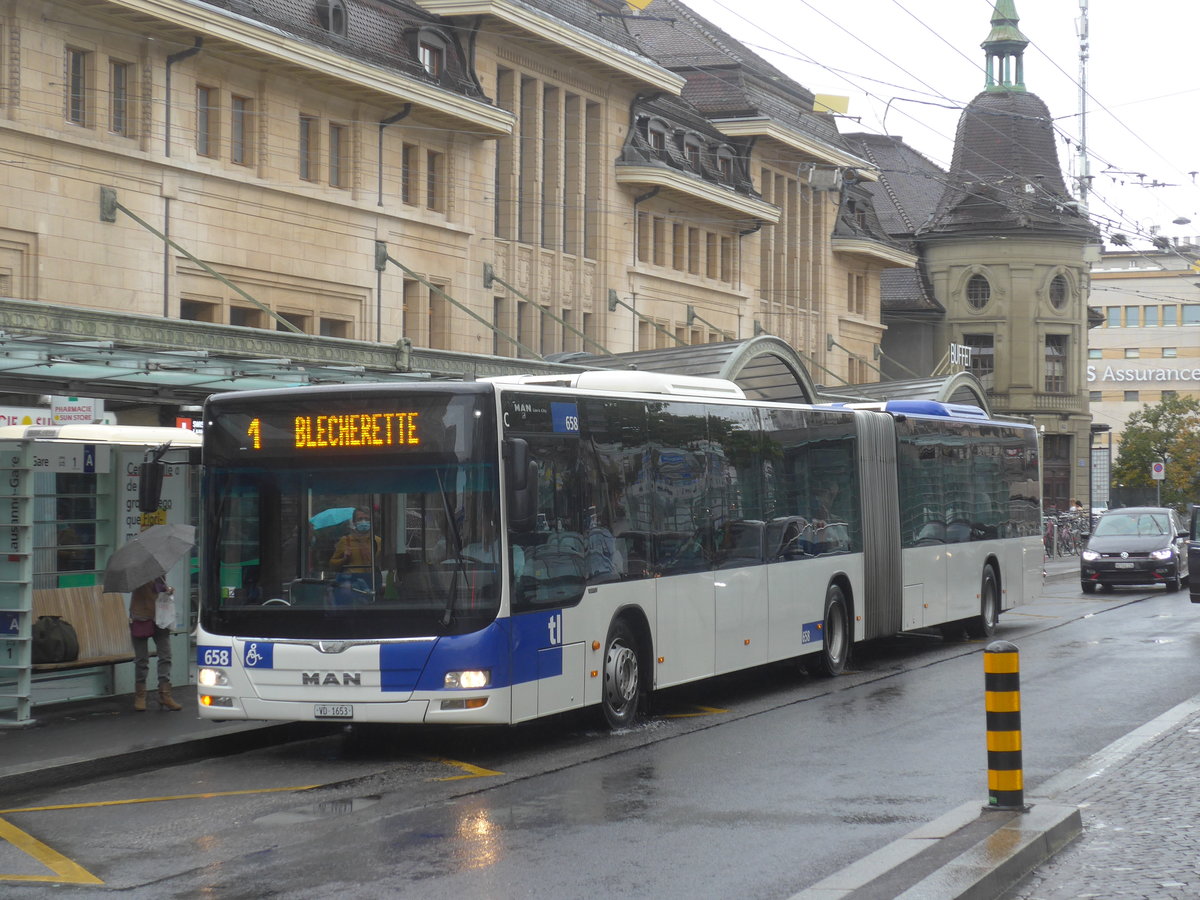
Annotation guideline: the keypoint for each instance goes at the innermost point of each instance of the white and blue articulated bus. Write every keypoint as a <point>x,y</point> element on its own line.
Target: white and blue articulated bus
<point>496,551</point>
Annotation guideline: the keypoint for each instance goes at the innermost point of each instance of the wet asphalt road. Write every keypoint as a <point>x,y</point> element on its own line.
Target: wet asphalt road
<point>750,786</point>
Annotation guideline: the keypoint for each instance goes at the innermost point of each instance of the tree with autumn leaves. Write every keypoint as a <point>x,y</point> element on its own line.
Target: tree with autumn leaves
<point>1168,431</point>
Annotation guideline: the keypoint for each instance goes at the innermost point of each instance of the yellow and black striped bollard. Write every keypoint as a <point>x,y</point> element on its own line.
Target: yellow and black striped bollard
<point>1002,686</point>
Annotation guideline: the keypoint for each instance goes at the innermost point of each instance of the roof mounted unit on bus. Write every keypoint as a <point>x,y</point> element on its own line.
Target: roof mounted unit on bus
<point>632,381</point>
<point>918,408</point>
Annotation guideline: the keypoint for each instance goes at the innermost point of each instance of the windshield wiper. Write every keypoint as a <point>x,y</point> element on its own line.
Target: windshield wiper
<point>459,567</point>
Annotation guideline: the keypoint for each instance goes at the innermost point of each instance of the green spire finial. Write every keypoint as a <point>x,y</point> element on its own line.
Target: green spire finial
<point>1005,46</point>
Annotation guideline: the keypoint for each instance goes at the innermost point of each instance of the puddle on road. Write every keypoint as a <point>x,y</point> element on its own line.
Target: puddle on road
<point>324,809</point>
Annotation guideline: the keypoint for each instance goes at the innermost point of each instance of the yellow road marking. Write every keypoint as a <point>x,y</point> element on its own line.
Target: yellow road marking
<point>703,711</point>
<point>68,872</point>
<point>472,771</point>
<point>206,796</point>
<point>65,871</point>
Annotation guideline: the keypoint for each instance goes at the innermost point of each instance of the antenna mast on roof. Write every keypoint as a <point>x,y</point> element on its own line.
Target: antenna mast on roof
<point>1084,175</point>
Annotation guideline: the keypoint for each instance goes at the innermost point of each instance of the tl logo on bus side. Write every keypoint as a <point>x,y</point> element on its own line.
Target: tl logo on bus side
<point>555,626</point>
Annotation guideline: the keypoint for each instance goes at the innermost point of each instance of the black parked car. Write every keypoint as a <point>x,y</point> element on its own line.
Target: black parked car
<point>1194,554</point>
<point>1135,545</point>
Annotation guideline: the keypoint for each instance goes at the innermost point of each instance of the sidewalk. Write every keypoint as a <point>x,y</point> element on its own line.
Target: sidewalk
<point>94,738</point>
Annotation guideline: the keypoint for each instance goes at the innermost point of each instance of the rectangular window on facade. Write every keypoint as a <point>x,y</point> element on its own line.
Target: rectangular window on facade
<point>1133,353</point>
<point>1095,353</point>
<point>241,130</point>
<point>339,156</point>
<point>1169,315</point>
<point>245,316</point>
<point>660,241</point>
<point>1191,314</point>
<point>1132,319</point>
<point>1131,397</point>
<point>435,180</point>
<point>120,106</point>
<point>1169,395</point>
<point>1095,396</point>
<point>1056,363</point>
<point>1170,352</point>
<point>198,311</point>
<point>1114,317</point>
<point>408,174</point>
<point>726,259</point>
<point>336,328</point>
<point>983,357</point>
<point>78,63</point>
<point>1150,314</point>
<point>693,251</point>
<point>644,237</point>
<point>296,319</point>
<point>309,148</point>
<point>678,248</point>
<point>206,120</point>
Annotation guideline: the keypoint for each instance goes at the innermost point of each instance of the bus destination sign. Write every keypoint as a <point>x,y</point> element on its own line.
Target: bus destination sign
<point>345,430</point>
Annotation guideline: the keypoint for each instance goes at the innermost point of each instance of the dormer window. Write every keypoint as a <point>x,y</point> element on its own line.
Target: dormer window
<point>656,135</point>
<point>431,53</point>
<point>725,164</point>
<point>332,14</point>
<point>692,149</point>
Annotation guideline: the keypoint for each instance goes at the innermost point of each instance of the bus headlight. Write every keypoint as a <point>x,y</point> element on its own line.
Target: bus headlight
<point>212,678</point>
<point>472,679</point>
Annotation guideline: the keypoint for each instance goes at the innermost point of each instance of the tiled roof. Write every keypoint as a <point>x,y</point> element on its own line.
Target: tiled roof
<point>382,34</point>
<point>909,184</point>
<point>1005,173</point>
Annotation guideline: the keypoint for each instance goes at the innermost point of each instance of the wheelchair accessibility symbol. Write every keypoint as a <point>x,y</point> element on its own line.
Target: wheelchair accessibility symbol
<point>259,655</point>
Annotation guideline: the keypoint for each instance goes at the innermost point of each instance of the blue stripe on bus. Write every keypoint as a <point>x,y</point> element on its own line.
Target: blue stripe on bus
<point>517,650</point>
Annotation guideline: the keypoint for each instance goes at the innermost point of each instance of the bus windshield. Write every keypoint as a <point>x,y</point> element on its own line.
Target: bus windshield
<point>353,545</point>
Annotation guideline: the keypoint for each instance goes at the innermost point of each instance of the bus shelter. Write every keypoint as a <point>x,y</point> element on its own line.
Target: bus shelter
<point>70,496</point>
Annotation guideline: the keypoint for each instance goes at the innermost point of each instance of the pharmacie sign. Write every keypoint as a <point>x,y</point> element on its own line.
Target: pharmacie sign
<point>1129,374</point>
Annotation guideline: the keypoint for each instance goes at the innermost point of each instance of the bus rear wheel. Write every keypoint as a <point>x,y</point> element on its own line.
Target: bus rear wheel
<point>830,660</point>
<point>622,677</point>
<point>984,624</point>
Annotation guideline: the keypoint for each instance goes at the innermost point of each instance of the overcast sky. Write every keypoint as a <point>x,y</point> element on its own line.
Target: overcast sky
<point>901,62</point>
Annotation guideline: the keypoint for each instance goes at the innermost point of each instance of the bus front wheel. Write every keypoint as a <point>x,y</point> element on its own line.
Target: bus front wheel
<point>830,660</point>
<point>984,624</point>
<point>622,677</point>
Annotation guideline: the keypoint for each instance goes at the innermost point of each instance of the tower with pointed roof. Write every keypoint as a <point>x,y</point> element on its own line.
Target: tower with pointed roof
<point>1006,251</point>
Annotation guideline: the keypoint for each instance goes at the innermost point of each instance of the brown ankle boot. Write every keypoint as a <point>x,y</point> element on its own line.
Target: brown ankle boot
<point>165,700</point>
<point>139,697</point>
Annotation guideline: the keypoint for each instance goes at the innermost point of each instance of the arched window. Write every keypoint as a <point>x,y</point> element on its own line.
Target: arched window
<point>1059,291</point>
<point>979,291</point>
<point>332,14</point>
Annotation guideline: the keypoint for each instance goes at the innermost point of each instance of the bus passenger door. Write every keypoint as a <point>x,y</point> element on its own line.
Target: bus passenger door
<point>740,590</point>
<point>684,604</point>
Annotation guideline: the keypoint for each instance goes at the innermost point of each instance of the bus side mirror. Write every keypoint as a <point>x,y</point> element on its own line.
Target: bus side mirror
<point>517,456</point>
<point>522,485</point>
<point>150,480</point>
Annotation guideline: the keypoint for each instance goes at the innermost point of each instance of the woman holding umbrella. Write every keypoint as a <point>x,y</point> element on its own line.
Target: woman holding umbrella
<point>140,566</point>
<point>145,622</point>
